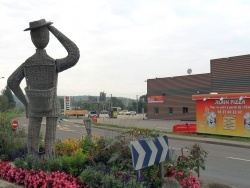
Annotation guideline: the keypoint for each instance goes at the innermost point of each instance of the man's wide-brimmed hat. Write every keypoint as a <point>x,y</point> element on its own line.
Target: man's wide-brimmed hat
<point>38,24</point>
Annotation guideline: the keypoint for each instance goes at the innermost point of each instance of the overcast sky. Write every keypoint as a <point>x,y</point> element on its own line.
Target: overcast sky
<point>125,42</point>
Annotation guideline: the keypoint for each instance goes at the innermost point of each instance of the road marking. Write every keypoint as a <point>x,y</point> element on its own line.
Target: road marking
<point>64,128</point>
<point>238,159</point>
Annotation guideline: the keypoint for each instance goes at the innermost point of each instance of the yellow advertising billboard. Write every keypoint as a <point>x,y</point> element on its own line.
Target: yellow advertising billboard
<point>223,114</point>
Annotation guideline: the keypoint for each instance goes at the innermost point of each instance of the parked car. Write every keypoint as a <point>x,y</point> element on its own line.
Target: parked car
<point>104,112</point>
<point>131,113</point>
<point>91,114</point>
<point>123,112</point>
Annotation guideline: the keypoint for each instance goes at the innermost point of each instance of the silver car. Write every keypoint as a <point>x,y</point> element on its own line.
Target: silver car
<point>131,113</point>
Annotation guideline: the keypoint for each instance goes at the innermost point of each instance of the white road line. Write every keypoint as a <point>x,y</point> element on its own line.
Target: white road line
<point>238,159</point>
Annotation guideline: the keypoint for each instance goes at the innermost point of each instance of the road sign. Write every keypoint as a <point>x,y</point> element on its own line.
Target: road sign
<point>14,124</point>
<point>149,152</point>
<point>66,103</point>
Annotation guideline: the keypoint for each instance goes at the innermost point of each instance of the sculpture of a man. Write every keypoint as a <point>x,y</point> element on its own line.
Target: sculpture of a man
<point>41,74</point>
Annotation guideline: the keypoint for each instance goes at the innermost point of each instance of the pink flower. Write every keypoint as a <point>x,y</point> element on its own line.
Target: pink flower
<point>190,182</point>
<point>38,178</point>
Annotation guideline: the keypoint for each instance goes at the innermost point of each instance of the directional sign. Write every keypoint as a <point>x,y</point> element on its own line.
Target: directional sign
<point>149,152</point>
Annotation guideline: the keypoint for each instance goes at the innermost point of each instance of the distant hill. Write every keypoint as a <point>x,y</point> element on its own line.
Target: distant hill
<point>86,97</point>
<point>76,98</point>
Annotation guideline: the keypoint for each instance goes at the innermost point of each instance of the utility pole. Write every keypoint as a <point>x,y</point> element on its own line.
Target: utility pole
<point>111,101</point>
<point>136,104</point>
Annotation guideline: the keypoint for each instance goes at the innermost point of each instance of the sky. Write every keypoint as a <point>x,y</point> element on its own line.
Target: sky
<point>125,42</point>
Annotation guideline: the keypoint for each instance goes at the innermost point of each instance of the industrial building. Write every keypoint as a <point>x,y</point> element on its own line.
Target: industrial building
<point>171,97</point>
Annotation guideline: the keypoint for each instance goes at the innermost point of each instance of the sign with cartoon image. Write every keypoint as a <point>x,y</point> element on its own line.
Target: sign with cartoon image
<point>247,120</point>
<point>223,114</point>
<point>211,118</point>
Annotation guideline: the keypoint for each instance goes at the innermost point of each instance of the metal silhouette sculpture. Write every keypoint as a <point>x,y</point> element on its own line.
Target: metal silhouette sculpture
<point>41,74</point>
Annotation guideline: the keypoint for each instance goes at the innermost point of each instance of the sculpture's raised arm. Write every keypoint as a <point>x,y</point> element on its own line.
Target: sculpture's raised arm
<point>72,49</point>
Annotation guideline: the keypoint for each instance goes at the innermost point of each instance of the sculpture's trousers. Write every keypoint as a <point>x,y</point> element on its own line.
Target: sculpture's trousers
<point>50,136</point>
<point>34,131</point>
<point>33,134</point>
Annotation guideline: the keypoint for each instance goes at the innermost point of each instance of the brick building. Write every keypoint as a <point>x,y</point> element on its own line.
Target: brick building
<point>171,97</point>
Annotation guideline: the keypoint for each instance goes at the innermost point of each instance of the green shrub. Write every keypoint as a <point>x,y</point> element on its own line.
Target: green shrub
<point>87,145</point>
<point>92,177</point>
<point>101,154</point>
<point>103,176</point>
<point>49,163</point>
<point>10,140</point>
<point>28,162</point>
<point>20,163</point>
<point>193,161</point>
<point>111,181</point>
<point>120,153</point>
<point>74,164</point>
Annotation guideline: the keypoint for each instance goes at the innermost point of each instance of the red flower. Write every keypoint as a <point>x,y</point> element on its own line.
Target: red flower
<point>38,178</point>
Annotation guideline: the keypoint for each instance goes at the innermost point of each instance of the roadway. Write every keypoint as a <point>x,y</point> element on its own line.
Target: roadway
<point>225,164</point>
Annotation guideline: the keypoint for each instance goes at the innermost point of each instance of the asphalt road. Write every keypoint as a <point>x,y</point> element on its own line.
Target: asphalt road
<point>225,164</point>
<point>67,129</point>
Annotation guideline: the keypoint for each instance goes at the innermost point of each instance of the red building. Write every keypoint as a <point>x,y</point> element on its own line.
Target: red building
<point>171,97</point>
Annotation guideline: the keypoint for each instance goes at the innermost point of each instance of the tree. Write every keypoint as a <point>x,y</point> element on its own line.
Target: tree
<point>117,102</point>
<point>134,106</point>
<point>3,103</point>
<point>142,103</point>
<point>92,101</point>
<point>102,96</point>
<point>8,94</point>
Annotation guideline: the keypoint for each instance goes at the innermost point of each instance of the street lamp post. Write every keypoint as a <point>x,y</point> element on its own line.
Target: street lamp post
<point>145,99</point>
<point>137,104</point>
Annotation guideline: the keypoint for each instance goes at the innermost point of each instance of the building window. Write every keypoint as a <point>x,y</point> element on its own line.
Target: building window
<point>156,110</point>
<point>170,110</point>
<point>185,110</point>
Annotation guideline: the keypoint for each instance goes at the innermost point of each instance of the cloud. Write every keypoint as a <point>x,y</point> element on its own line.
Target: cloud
<point>125,42</point>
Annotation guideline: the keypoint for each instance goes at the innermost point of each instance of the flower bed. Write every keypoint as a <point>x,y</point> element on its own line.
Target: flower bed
<point>97,162</point>
<point>38,178</point>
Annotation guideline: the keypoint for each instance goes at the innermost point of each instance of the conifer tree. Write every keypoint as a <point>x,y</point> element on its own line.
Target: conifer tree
<point>11,101</point>
<point>3,103</point>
